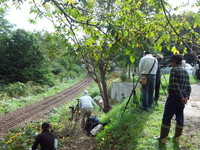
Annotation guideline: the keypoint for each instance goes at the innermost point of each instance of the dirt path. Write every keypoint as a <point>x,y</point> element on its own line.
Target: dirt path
<point>41,108</point>
<point>192,113</point>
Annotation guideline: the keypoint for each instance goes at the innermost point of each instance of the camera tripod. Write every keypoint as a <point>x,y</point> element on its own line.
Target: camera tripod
<point>73,120</point>
<point>133,92</point>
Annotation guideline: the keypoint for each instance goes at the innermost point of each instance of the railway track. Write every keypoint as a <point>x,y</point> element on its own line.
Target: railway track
<point>15,118</point>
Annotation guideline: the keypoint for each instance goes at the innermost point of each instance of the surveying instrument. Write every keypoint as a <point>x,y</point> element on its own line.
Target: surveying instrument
<point>73,120</point>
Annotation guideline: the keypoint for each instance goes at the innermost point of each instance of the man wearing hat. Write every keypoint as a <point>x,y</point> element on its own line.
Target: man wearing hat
<point>178,94</point>
<point>46,139</point>
<point>86,106</point>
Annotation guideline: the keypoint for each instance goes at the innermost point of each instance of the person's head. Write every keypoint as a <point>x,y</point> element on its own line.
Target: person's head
<point>46,126</point>
<point>146,52</point>
<point>85,93</point>
<point>176,60</point>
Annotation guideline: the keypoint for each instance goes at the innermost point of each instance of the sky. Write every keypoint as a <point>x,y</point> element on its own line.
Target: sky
<point>20,17</point>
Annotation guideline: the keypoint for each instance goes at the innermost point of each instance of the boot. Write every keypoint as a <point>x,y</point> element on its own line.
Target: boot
<point>178,132</point>
<point>164,133</point>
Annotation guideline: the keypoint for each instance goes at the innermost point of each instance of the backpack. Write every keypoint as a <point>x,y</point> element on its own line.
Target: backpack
<point>91,123</point>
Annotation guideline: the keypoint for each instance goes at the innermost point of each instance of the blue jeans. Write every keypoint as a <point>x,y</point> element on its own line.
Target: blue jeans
<point>173,106</point>
<point>148,92</point>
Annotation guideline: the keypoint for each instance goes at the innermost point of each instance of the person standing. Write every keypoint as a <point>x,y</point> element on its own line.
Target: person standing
<point>148,66</point>
<point>86,107</point>
<point>46,139</point>
<point>178,94</point>
<point>158,79</point>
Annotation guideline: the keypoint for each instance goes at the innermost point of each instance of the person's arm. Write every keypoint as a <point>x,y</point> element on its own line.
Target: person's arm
<point>35,145</point>
<point>188,89</point>
<point>93,102</point>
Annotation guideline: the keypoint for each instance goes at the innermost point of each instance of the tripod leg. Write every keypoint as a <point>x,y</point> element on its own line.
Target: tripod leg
<point>133,91</point>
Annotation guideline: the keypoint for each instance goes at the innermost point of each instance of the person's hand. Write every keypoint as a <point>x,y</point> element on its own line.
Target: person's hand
<point>184,100</point>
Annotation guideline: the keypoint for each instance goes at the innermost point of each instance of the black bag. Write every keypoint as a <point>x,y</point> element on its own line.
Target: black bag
<point>91,123</point>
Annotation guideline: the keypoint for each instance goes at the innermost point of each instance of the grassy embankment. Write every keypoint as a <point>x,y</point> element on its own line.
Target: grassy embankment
<point>135,130</point>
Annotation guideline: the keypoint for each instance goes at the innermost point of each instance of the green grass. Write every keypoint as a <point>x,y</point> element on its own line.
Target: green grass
<point>135,130</point>
<point>23,138</point>
<point>12,104</point>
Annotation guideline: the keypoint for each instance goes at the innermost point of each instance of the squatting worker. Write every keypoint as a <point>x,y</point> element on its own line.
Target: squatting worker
<point>46,139</point>
<point>148,66</point>
<point>86,107</point>
<point>178,94</point>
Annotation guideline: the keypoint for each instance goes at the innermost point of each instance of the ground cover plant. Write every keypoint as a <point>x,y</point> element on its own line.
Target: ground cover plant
<point>135,130</point>
<point>10,99</point>
<point>22,138</point>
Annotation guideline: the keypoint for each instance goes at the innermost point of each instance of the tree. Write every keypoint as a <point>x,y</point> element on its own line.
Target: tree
<point>106,29</point>
<point>99,30</point>
<point>21,59</point>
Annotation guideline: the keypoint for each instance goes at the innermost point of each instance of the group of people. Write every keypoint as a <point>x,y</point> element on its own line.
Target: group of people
<point>47,138</point>
<point>179,90</point>
<point>178,94</point>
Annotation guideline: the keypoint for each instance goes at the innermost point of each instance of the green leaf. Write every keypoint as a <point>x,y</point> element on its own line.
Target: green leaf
<point>132,59</point>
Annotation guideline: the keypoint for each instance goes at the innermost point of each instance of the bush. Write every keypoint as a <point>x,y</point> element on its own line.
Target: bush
<point>16,89</point>
<point>123,77</point>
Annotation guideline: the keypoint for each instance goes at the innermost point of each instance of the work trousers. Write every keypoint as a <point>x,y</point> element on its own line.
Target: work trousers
<point>173,106</point>
<point>148,92</point>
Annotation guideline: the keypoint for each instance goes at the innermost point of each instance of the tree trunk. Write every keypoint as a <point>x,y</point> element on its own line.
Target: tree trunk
<point>104,91</point>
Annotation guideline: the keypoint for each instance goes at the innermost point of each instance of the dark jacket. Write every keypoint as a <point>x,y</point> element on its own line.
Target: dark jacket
<point>46,141</point>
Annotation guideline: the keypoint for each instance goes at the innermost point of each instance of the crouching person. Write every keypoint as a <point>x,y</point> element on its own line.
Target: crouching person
<point>86,107</point>
<point>47,139</point>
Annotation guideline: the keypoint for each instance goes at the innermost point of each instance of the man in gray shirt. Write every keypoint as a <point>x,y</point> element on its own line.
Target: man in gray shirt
<point>86,106</point>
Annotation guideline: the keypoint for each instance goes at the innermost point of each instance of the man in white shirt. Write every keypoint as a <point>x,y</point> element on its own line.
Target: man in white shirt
<point>86,106</point>
<point>147,63</point>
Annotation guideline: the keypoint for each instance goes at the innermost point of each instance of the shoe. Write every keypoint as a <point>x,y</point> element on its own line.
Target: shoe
<point>164,131</point>
<point>163,141</point>
<point>178,132</point>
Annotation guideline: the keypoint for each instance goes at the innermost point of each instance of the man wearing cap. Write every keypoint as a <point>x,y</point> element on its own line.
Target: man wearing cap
<point>46,139</point>
<point>86,106</point>
<point>148,66</point>
<point>178,94</point>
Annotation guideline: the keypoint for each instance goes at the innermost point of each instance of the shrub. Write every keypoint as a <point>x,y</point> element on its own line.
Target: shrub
<point>123,77</point>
